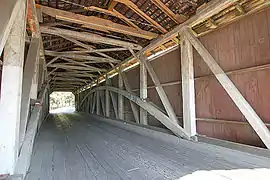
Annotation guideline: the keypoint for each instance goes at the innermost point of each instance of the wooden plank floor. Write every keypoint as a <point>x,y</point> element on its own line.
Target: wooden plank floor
<point>76,147</point>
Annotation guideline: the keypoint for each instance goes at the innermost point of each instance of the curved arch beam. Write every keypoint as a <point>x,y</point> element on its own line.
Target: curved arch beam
<point>160,116</point>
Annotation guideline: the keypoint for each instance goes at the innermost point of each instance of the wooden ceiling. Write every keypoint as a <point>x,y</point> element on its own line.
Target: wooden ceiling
<point>84,38</point>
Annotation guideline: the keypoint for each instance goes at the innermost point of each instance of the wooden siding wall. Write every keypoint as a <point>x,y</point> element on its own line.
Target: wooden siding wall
<point>241,45</point>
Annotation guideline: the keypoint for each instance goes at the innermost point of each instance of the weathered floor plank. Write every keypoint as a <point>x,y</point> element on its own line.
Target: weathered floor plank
<point>77,147</point>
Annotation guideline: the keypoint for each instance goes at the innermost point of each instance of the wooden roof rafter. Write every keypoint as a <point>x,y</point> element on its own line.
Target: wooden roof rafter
<point>177,18</point>
<point>143,15</point>
<point>96,23</point>
<point>99,40</point>
<point>225,11</point>
<point>114,13</point>
<point>128,21</point>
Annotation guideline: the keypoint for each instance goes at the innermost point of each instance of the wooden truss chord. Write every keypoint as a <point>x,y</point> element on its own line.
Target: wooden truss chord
<point>88,37</point>
<point>91,59</point>
<point>89,48</point>
<point>96,50</point>
<point>68,66</point>
<point>73,74</point>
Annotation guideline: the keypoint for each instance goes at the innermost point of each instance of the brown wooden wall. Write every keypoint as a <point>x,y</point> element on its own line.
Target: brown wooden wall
<point>243,45</point>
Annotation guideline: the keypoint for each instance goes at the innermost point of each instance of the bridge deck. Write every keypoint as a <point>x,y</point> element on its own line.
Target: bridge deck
<point>76,147</point>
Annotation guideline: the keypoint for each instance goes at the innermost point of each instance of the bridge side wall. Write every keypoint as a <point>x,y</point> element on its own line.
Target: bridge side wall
<point>242,49</point>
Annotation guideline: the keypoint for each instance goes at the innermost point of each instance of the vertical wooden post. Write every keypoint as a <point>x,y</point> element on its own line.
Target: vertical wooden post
<point>188,92</point>
<point>11,91</point>
<point>41,73</point>
<point>120,97</point>
<point>162,95</point>
<point>77,101</point>
<point>242,104</point>
<point>98,100</point>
<point>41,69</point>
<point>94,103</point>
<point>28,74</point>
<point>34,86</point>
<point>107,98</point>
<point>102,103</point>
<point>90,102</point>
<point>81,104</point>
<point>132,105</point>
<point>114,102</point>
<point>143,93</point>
<point>86,102</point>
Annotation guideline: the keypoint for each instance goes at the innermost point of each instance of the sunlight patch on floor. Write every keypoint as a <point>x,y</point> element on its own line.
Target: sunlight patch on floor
<point>63,110</point>
<point>235,174</point>
<point>62,122</point>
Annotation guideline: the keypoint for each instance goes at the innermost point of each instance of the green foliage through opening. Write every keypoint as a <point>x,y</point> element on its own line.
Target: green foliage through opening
<point>61,99</point>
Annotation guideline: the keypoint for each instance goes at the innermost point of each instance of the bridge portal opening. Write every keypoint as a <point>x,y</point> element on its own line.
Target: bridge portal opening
<point>62,102</point>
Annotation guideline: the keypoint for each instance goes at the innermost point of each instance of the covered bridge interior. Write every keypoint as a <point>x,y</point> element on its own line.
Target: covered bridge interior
<point>164,89</point>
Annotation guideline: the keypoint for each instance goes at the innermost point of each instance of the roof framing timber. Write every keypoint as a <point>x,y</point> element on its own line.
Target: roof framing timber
<point>114,13</point>
<point>178,18</point>
<point>59,46</point>
<point>63,74</point>
<point>52,40</point>
<point>88,37</point>
<point>70,79</point>
<point>90,48</point>
<point>212,8</point>
<point>124,18</point>
<point>63,83</point>
<point>93,22</point>
<point>68,66</point>
<point>135,8</point>
<point>91,59</point>
<point>97,50</point>
<point>112,5</point>
<point>76,62</point>
<point>53,60</point>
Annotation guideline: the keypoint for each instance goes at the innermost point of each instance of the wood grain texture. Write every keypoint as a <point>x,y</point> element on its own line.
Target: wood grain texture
<point>247,44</point>
<point>243,44</point>
<point>109,151</point>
